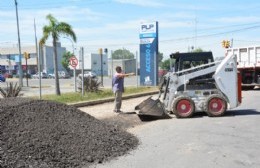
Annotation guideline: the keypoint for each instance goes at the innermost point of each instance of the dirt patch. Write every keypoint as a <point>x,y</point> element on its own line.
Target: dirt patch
<point>124,120</point>
<point>44,134</point>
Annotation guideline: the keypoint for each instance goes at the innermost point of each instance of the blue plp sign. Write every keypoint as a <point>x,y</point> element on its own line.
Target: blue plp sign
<point>149,53</point>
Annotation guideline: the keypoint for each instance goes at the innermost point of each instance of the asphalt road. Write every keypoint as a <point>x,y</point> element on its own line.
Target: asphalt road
<point>200,142</point>
<point>229,141</point>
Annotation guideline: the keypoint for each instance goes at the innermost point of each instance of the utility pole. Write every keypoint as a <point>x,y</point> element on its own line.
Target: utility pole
<point>38,56</point>
<point>19,44</point>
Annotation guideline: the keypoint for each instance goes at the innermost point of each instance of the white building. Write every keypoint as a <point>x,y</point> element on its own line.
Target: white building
<point>128,65</point>
<point>47,59</point>
<point>9,58</point>
<point>92,62</point>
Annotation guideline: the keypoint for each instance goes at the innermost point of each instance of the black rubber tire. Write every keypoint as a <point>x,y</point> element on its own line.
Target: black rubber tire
<point>220,104</point>
<point>177,107</point>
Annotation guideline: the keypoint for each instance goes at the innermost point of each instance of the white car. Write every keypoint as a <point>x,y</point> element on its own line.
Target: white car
<point>43,75</point>
<point>88,74</point>
<point>63,74</point>
<point>51,76</point>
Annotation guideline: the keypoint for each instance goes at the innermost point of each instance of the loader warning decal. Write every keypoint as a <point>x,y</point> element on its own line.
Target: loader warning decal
<point>148,53</point>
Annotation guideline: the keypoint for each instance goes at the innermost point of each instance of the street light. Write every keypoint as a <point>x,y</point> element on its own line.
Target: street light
<point>74,70</point>
<point>19,44</point>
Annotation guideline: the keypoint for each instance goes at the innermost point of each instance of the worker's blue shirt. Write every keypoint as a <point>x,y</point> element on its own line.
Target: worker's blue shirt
<point>118,83</point>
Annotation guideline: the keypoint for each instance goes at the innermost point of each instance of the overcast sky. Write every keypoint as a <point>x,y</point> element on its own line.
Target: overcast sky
<point>114,24</point>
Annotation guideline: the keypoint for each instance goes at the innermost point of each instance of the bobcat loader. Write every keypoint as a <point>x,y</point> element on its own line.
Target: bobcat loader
<point>198,84</point>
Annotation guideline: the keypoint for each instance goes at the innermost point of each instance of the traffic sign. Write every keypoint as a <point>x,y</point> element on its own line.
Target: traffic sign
<point>73,62</point>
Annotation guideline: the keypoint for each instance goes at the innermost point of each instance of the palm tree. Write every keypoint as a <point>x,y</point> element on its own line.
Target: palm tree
<point>55,29</point>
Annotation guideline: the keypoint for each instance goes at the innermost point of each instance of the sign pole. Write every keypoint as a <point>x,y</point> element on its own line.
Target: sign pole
<point>74,74</point>
<point>74,62</point>
<point>101,65</point>
<point>136,71</point>
<point>82,70</point>
<point>26,64</point>
<point>112,67</point>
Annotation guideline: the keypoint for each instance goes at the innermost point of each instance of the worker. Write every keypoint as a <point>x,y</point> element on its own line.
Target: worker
<point>118,87</point>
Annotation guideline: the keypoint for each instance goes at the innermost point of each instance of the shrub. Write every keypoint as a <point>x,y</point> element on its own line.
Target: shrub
<point>90,84</point>
<point>11,90</point>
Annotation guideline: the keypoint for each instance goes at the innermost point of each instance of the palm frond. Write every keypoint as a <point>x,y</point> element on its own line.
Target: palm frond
<point>52,20</point>
<point>46,34</point>
<point>67,30</point>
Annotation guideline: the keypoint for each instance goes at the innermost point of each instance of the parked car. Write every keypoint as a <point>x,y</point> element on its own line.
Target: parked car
<point>63,74</point>
<point>43,75</point>
<point>51,76</point>
<point>88,74</point>
<point>8,75</point>
<point>2,78</point>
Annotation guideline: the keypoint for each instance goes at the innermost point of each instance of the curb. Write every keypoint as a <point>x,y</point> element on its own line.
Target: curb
<point>95,102</point>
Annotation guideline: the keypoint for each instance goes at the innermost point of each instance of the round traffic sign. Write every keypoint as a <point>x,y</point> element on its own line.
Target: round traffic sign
<point>73,61</point>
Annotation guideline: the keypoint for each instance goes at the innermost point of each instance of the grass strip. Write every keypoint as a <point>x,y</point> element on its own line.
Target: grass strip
<point>73,97</point>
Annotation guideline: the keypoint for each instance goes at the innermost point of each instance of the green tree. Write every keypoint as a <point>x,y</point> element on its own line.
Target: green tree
<point>122,54</point>
<point>55,29</point>
<point>160,57</point>
<point>198,50</point>
<point>66,60</point>
<point>166,64</point>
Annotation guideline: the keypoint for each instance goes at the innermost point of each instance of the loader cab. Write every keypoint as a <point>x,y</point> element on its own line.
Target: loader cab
<point>185,61</point>
<point>188,60</point>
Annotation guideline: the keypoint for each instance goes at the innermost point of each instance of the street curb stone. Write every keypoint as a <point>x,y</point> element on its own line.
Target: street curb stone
<point>95,102</point>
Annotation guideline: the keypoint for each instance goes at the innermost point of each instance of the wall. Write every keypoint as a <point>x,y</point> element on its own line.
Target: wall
<point>128,65</point>
<point>92,62</point>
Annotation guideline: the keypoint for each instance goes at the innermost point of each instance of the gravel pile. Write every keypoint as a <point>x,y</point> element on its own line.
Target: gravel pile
<point>45,134</point>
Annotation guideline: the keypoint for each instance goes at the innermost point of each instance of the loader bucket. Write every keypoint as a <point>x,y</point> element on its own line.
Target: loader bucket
<point>150,107</point>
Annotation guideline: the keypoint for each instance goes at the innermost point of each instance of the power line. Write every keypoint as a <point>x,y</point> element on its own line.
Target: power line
<point>214,34</point>
<point>178,39</point>
<point>250,41</point>
<point>223,27</point>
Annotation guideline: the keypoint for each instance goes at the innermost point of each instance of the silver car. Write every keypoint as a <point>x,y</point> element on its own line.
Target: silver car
<point>63,74</point>
<point>43,75</point>
<point>88,74</point>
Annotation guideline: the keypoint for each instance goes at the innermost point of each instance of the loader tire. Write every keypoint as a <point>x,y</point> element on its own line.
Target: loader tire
<point>183,107</point>
<point>216,105</point>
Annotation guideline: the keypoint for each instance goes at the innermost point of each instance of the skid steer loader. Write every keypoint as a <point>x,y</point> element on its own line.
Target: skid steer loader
<point>198,84</point>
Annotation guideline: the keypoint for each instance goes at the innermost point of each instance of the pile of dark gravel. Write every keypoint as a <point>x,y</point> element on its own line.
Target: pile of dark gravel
<point>44,134</point>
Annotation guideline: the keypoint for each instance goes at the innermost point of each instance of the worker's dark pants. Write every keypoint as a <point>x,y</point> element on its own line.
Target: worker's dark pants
<point>118,100</point>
